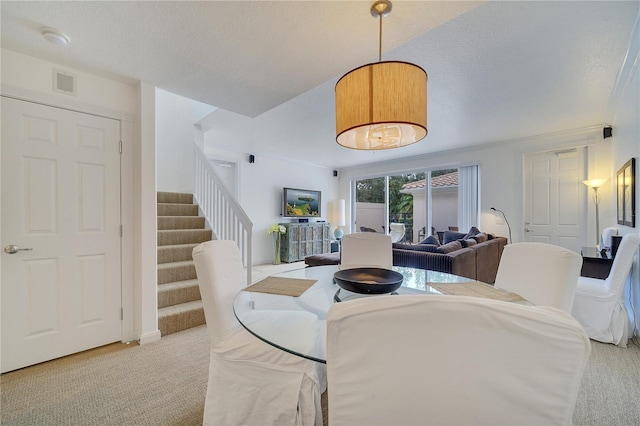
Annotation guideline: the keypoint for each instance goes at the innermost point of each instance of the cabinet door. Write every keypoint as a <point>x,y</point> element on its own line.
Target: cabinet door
<point>326,238</point>
<point>317,246</point>
<point>302,241</point>
<point>317,239</point>
<point>291,238</point>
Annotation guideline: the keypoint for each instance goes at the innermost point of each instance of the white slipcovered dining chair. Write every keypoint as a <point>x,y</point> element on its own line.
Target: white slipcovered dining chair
<point>544,274</point>
<point>250,381</point>
<point>366,249</point>
<point>396,232</point>
<point>599,304</point>
<point>435,360</point>
<point>605,237</point>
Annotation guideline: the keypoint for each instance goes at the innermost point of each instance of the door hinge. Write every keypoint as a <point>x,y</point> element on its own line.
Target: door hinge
<point>120,147</point>
<point>120,231</point>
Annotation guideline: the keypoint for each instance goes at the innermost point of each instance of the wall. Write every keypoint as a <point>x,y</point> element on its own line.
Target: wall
<point>146,218</point>
<point>261,186</point>
<point>36,75</point>
<point>175,117</point>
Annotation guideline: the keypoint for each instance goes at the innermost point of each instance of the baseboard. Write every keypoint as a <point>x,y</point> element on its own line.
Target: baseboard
<point>146,338</point>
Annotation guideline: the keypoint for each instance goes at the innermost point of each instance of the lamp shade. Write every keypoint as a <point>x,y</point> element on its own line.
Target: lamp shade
<point>594,183</point>
<point>381,105</point>
<point>339,212</point>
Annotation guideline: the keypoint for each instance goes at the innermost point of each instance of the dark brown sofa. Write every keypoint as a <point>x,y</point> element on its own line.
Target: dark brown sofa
<point>478,261</point>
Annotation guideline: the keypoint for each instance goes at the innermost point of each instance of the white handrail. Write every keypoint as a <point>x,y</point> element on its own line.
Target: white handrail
<point>222,211</point>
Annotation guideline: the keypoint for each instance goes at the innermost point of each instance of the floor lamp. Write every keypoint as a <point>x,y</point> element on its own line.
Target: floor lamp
<point>506,221</point>
<point>595,184</point>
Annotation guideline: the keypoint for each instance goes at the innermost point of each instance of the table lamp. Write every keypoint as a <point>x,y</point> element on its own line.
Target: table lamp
<point>338,218</point>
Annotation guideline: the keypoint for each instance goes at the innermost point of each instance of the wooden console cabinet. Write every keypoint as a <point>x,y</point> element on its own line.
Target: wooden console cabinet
<point>304,239</point>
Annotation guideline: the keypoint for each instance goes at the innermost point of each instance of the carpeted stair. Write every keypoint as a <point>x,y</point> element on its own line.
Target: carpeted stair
<point>180,229</point>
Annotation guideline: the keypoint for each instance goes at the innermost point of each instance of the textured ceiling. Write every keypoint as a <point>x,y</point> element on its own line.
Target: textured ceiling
<point>497,70</point>
<point>243,56</point>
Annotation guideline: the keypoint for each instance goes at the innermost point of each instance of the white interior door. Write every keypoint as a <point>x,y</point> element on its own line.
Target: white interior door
<point>61,201</point>
<point>555,198</point>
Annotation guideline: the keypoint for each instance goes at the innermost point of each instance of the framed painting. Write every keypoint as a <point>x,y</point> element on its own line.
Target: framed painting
<point>626,183</point>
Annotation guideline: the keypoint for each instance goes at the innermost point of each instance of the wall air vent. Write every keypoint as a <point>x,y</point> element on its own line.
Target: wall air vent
<point>64,82</point>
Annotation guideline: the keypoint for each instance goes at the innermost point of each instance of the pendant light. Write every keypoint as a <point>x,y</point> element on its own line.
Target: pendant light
<point>381,105</point>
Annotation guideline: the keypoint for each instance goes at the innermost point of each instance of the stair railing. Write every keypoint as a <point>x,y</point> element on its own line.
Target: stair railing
<point>222,211</point>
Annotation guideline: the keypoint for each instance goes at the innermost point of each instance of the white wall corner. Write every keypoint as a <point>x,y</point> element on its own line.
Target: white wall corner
<point>151,337</point>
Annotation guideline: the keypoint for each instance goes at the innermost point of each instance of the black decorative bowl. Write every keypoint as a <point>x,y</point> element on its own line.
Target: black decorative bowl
<point>368,280</point>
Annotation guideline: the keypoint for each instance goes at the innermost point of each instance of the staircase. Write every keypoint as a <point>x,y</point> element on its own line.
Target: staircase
<point>180,229</point>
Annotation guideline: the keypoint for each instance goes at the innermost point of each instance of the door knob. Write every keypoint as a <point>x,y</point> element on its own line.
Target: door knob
<point>527,230</point>
<point>13,249</point>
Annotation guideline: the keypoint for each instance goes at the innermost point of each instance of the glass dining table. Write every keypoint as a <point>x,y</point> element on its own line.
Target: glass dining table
<point>298,324</point>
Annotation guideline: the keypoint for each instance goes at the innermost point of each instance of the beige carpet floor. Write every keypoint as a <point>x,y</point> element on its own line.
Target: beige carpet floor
<point>164,383</point>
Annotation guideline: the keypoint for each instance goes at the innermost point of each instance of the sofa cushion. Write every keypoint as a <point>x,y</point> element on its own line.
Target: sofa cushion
<point>430,240</point>
<point>452,236</point>
<point>468,242</point>
<point>450,247</point>
<point>430,248</point>
<point>481,237</point>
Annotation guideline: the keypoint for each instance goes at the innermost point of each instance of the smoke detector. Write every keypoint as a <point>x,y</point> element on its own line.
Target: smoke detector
<point>55,37</point>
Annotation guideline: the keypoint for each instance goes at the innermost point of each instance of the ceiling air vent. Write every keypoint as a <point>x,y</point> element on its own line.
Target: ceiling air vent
<point>64,82</point>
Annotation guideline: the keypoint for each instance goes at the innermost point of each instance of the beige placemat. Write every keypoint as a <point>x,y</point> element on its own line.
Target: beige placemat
<point>281,285</point>
<point>476,289</point>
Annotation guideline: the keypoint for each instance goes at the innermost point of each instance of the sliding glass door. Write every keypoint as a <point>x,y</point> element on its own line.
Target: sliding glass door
<point>409,210</point>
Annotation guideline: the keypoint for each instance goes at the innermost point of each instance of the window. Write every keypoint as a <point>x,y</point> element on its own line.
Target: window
<point>451,201</point>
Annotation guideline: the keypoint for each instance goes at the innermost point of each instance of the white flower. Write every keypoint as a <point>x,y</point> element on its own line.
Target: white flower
<point>277,228</point>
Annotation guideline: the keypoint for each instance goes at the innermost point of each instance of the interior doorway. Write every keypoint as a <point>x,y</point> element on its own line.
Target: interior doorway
<point>554,198</point>
<point>61,284</point>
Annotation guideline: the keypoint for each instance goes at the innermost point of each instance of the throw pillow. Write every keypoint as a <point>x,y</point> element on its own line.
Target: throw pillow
<point>452,236</point>
<point>468,242</point>
<point>481,237</point>
<point>449,247</point>
<point>430,240</point>
<point>472,231</point>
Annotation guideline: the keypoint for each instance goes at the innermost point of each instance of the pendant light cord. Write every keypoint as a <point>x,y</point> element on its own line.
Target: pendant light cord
<point>380,39</point>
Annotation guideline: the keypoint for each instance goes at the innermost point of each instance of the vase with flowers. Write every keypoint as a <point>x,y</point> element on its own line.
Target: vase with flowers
<point>277,230</point>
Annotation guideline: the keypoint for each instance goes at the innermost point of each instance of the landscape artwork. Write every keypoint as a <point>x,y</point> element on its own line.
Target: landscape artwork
<point>302,202</point>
